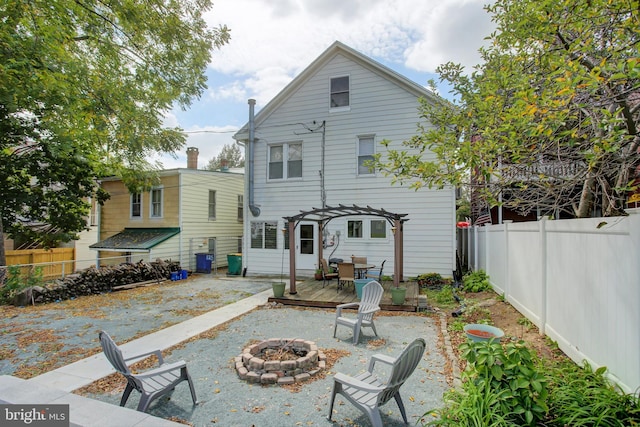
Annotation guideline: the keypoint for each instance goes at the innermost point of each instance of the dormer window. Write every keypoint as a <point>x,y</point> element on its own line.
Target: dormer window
<point>339,92</point>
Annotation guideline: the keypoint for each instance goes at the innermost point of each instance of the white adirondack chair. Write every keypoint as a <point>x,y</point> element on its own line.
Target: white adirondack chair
<point>368,392</point>
<point>151,384</point>
<point>368,305</point>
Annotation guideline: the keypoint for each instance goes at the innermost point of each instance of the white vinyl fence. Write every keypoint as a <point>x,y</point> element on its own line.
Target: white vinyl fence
<point>578,280</point>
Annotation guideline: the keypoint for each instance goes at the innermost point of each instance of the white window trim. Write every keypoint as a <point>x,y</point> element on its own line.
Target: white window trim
<point>136,218</point>
<point>386,230</point>
<point>240,208</point>
<point>358,138</point>
<point>215,205</point>
<point>161,188</point>
<point>263,234</point>
<point>285,160</point>
<point>345,107</point>
<point>366,231</point>
<point>346,231</point>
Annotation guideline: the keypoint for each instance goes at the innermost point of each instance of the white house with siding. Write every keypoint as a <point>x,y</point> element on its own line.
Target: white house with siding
<point>307,149</point>
<point>190,211</point>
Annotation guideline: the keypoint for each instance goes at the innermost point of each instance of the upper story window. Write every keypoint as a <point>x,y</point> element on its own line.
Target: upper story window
<point>339,92</point>
<point>156,203</point>
<point>285,160</point>
<point>240,207</point>
<point>136,205</point>
<point>366,150</point>
<point>212,204</point>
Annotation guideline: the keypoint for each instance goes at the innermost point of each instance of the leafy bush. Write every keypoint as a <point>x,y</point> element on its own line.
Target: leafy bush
<point>17,282</point>
<point>473,408</point>
<point>502,387</point>
<point>584,397</point>
<point>476,281</point>
<point>445,295</point>
<point>431,280</point>
<point>513,376</point>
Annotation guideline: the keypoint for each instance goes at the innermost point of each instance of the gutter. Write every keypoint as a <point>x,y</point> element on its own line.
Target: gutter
<point>255,211</point>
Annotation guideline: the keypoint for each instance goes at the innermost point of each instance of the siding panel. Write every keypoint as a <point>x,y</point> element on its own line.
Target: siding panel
<point>378,107</point>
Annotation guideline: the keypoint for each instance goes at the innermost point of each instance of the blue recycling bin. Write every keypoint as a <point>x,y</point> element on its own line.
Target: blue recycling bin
<point>359,284</point>
<point>203,262</point>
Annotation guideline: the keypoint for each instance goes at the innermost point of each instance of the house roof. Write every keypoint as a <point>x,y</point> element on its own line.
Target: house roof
<point>136,239</point>
<point>337,48</point>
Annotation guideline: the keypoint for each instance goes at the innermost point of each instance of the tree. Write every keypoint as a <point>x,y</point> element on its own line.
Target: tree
<point>84,86</point>
<point>231,153</point>
<point>549,120</point>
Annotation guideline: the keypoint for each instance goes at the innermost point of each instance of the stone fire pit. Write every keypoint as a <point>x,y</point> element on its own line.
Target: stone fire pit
<point>280,361</point>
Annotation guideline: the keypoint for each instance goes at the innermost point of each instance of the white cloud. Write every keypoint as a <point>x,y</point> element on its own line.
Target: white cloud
<point>170,120</point>
<point>456,32</point>
<point>272,42</point>
<point>236,91</point>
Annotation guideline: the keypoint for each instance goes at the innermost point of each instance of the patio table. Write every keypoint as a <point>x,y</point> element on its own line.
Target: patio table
<point>361,269</point>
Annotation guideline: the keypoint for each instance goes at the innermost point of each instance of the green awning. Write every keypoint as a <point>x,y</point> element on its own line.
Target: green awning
<point>136,239</point>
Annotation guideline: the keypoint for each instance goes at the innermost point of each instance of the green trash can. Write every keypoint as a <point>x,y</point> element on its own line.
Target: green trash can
<point>235,264</point>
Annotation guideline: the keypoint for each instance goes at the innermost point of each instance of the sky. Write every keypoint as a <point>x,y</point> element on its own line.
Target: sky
<point>272,41</point>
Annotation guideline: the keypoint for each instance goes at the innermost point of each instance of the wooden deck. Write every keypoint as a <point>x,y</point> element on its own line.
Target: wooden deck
<point>310,293</point>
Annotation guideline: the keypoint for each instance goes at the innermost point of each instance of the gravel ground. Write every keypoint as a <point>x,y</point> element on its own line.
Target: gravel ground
<point>226,400</point>
<point>37,339</point>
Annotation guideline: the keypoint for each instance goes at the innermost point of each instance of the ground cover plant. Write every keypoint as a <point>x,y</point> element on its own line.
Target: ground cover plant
<point>524,380</point>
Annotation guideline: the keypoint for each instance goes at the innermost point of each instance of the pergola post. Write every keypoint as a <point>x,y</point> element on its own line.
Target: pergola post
<point>400,259</point>
<point>397,252</point>
<point>321,225</point>
<point>292,258</point>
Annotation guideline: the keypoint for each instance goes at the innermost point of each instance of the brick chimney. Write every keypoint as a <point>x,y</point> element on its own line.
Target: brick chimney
<point>192,158</point>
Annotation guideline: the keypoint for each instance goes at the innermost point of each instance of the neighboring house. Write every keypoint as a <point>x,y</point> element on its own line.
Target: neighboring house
<point>85,257</point>
<point>192,211</point>
<point>80,258</point>
<point>310,148</point>
<point>547,204</point>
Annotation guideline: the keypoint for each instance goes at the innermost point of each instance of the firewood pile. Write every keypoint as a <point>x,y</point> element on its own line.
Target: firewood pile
<point>98,280</point>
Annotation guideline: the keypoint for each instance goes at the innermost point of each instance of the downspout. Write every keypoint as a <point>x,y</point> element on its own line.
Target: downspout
<point>255,211</point>
<point>323,190</point>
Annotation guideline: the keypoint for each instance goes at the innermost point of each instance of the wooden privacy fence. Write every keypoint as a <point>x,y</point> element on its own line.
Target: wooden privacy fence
<point>55,263</point>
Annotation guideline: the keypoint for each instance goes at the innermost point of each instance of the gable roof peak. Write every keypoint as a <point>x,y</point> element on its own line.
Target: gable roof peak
<point>337,47</point>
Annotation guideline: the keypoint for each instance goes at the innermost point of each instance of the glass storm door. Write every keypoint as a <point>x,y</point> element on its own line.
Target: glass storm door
<point>306,247</point>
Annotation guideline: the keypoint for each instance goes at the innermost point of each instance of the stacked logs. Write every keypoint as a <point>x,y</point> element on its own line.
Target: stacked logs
<point>97,280</point>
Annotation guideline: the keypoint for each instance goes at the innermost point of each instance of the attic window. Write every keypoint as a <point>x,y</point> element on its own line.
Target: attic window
<point>339,92</point>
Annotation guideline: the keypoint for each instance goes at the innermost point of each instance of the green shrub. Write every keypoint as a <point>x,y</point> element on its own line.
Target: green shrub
<point>476,281</point>
<point>430,280</point>
<point>445,296</point>
<point>584,397</point>
<point>17,282</point>
<point>508,372</point>
<point>474,407</point>
<point>501,387</point>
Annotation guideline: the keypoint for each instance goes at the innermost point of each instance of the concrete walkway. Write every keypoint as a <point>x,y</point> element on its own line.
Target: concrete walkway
<point>55,387</point>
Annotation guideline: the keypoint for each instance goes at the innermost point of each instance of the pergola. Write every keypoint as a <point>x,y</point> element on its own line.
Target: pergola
<point>323,215</point>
